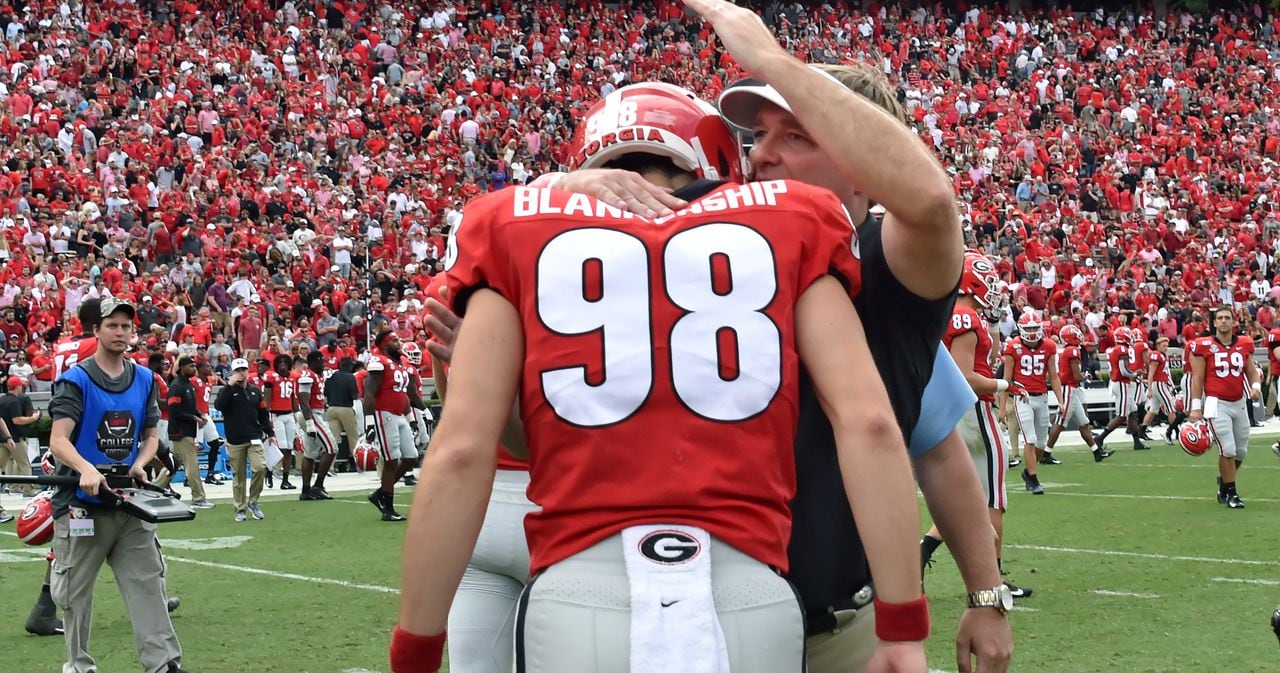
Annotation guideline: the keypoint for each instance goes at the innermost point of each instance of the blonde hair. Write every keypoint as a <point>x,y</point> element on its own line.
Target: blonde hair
<point>869,82</point>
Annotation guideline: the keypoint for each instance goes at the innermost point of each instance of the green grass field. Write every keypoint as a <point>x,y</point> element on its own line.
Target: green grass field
<point>1135,568</point>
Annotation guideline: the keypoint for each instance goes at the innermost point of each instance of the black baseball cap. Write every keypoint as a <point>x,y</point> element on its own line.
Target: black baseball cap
<point>185,360</point>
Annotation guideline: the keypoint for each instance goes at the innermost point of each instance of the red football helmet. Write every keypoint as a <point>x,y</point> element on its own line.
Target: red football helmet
<point>412,352</point>
<point>1194,437</point>
<point>661,119</point>
<point>1071,335</point>
<point>979,280</point>
<point>1122,336</point>
<point>366,457</point>
<point>46,463</point>
<point>35,524</point>
<point>1029,328</point>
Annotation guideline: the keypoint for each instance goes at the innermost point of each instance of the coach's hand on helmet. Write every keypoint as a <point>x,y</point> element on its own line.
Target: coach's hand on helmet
<point>622,189</point>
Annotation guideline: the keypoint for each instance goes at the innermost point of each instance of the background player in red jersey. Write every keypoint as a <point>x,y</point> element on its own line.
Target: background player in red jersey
<point>1123,381</point>
<point>68,352</point>
<point>1160,395</point>
<point>1273,365</point>
<point>969,340</point>
<point>1139,351</point>
<point>1222,370</point>
<point>319,445</point>
<point>388,397</point>
<point>646,417</point>
<point>1030,361</point>
<point>1071,411</point>
<point>280,389</point>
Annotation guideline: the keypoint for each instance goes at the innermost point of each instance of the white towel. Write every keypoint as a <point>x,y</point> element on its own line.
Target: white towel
<point>673,615</point>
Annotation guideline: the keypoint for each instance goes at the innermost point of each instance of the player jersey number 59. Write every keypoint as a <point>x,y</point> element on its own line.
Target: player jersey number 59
<point>726,354</point>
<point>1228,364</point>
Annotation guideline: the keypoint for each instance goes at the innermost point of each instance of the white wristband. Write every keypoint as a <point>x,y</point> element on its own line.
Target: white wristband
<point>1257,385</point>
<point>1197,405</point>
<point>1002,385</point>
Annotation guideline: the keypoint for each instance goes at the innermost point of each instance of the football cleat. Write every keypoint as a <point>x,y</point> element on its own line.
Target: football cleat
<point>1017,591</point>
<point>1234,502</point>
<point>1049,459</point>
<point>1194,437</point>
<point>1015,461</point>
<point>1100,455</point>
<point>1275,622</point>
<point>1032,482</point>
<point>172,604</point>
<point>1275,448</point>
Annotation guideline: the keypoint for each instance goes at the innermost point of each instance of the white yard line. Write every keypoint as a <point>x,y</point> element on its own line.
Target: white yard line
<point>289,576</point>
<point>1239,580</point>
<point>1123,594</point>
<point>1133,496</point>
<point>1134,554</point>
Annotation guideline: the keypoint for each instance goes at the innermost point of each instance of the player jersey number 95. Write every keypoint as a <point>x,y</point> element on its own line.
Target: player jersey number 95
<point>1031,364</point>
<point>725,352</point>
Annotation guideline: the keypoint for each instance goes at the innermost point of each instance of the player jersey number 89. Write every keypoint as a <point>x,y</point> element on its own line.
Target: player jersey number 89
<point>711,318</point>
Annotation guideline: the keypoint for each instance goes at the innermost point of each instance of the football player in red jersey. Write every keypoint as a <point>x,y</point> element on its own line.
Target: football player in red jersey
<point>1030,360</point>
<point>319,445</point>
<point>388,396</point>
<point>1273,365</point>
<point>1160,395</point>
<point>68,352</point>
<point>204,382</point>
<point>1071,410</point>
<point>280,390</point>
<point>642,400</point>
<point>1222,370</point>
<point>417,417</point>
<point>1122,377</point>
<point>969,340</point>
<point>1139,351</point>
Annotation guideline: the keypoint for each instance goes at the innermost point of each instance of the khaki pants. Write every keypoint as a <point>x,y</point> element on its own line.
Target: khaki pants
<point>130,546</point>
<point>257,457</point>
<point>185,454</point>
<point>343,420</point>
<point>15,463</point>
<point>847,650</point>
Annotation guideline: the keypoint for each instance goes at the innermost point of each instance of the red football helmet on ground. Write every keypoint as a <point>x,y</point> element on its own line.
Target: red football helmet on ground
<point>1071,335</point>
<point>979,280</point>
<point>661,119</point>
<point>1194,437</point>
<point>366,457</point>
<point>1030,328</point>
<point>412,352</point>
<point>35,524</point>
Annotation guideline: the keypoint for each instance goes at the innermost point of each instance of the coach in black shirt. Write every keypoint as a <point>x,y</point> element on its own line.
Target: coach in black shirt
<point>246,422</point>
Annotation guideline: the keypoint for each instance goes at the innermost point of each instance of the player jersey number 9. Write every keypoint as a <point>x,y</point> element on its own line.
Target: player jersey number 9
<point>620,313</point>
<point>1031,364</point>
<point>1228,365</point>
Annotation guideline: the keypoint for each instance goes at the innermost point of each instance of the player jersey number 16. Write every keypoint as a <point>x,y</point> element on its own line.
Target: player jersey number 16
<point>619,309</point>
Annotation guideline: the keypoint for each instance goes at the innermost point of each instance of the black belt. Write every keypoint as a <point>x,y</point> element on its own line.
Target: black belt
<point>282,413</point>
<point>838,615</point>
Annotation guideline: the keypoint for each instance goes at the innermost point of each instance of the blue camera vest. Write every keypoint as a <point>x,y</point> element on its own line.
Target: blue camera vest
<point>111,425</point>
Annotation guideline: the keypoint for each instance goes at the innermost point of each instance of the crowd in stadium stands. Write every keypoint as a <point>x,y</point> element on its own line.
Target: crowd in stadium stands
<point>259,175</point>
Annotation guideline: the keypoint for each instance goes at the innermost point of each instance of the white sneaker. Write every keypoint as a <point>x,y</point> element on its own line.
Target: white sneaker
<point>256,511</point>
<point>202,504</point>
<point>241,516</point>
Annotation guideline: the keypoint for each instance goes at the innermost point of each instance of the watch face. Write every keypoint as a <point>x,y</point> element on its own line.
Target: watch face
<point>1006,598</point>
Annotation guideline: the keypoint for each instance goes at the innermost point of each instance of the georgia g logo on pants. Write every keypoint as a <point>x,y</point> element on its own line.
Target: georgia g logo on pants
<point>669,547</point>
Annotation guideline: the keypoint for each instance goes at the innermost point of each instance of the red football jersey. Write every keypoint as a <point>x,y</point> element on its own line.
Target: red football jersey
<point>283,391</point>
<point>204,393</point>
<point>309,382</point>
<point>68,352</point>
<point>1224,366</point>
<point>393,390</point>
<point>162,393</point>
<point>1031,365</point>
<point>1116,355</point>
<point>965,320</point>
<point>1066,374</point>
<point>1273,340</point>
<point>650,347</point>
<point>1161,361</point>
<point>1138,359</point>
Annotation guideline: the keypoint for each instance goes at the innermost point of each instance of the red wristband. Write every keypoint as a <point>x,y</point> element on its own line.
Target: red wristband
<point>411,653</point>
<point>902,621</point>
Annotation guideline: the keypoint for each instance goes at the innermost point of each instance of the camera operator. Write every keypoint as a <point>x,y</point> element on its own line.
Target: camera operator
<point>246,421</point>
<point>104,414</point>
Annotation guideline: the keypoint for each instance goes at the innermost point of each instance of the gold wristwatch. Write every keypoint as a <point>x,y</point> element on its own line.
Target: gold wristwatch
<point>998,597</point>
